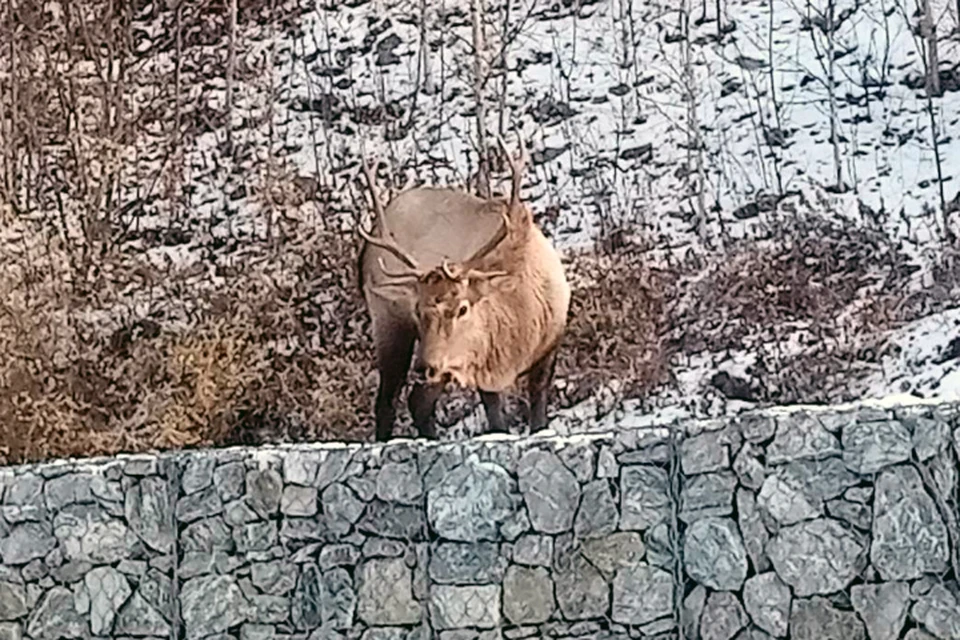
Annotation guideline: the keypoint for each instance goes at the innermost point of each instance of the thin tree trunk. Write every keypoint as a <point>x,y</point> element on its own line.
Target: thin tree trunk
<point>483,170</point>
<point>928,30</point>
<point>231,66</point>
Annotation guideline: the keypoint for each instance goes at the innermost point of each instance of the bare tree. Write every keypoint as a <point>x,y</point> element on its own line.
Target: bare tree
<point>479,70</point>
<point>694,139</point>
<point>231,68</point>
<point>928,31</point>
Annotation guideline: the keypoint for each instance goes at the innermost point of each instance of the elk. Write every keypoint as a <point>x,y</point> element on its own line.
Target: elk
<point>475,285</point>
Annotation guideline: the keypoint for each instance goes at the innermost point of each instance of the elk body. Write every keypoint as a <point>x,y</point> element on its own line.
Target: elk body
<point>470,291</point>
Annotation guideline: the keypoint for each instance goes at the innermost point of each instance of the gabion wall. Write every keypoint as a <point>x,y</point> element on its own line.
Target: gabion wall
<point>806,525</point>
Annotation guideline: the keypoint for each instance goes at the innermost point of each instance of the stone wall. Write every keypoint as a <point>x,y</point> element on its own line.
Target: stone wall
<point>803,524</point>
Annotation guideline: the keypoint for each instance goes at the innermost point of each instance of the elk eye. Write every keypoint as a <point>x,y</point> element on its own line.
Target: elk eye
<point>462,311</point>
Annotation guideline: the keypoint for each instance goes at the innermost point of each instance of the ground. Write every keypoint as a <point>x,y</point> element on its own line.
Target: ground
<point>166,284</point>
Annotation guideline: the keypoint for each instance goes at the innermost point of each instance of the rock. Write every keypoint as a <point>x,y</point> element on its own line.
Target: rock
<point>938,612</point>
<point>212,604</point>
<point>341,508</point>
<point>275,578</point>
<point>88,534</point>
<point>882,607</point>
<point>753,633</point>
<point>819,479</point>
<point>268,609</point>
<point>10,631</point>
<point>614,552</point>
<point>256,536</point>
<point>157,589</point>
<point>197,474</point>
<point>334,464</point>
<point>756,427</point>
<point>55,616</point>
<point>642,594</point>
<point>918,634</point>
<point>399,482</point>
<point>27,542</point>
<point>801,437</point>
<point>470,501</point>
<point>466,563</point>
<point>298,501</point>
<point>644,497</point>
<point>707,495</point>
<point>754,532</point>
<point>382,547</point>
<point>203,504</point>
<point>13,601</point>
<point>307,603</point>
<point>750,471</point>
<point>339,599</point>
<point>460,607</point>
<point>767,600</point>
<point>704,453</point>
<point>338,555</point>
<point>26,490</point>
<point>660,547</point>
<point>868,447</point>
<point>607,466</point>
<point>909,536</point>
<point>263,491</point>
<point>817,556</point>
<point>108,590</point>
<point>550,491</point>
<point>817,619</point>
<point>206,535</point>
<point>149,512</point>
<point>533,549</point>
<point>692,610</point>
<point>723,617</point>
<point>384,593</point>
<point>301,467</point>
<point>853,513</point>
<point>393,520</point>
<point>786,503</point>
<point>139,618</point>
<point>581,591</point>
<point>930,436</point>
<point>257,632</point>
<point>714,555</point>
<point>229,480</point>
<point>528,595</point>
<point>581,458</point>
<point>597,515</point>
<point>67,489</point>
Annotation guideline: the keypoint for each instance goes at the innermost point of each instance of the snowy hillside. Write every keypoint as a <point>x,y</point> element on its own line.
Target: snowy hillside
<point>799,265</point>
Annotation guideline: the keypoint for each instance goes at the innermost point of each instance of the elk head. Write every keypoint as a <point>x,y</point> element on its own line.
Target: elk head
<point>452,299</point>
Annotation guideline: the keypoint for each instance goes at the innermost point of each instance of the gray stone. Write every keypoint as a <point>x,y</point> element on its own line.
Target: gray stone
<point>257,632</point>
<point>460,607</point>
<point>515,525</point>
<point>550,491</point>
<point>642,594</point>
<point>853,513</point>
<point>238,512</point>
<point>533,549</point>
<point>918,634</point>
<point>863,495</point>
<point>819,479</point>
<point>750,471</point>
<point>644,497</point>
<point>268,609</point>
<point>614,552</point>
<point>470,501</point>
<point>307,606</point>
<point>341,507</point>
<point>202,504</point>
<point>13,601</point>
<point>399,482</point>
<point>704,453</point>
<point>302,530</point>
<point>767,600</point>
<point>88,534</point>
<point>339,599</point>
<point>660,547</point>
<point>938,612</point>
<point>197,474</point>
<point>157,589</point>
<point>786,503</point>
<point>723,617</point>
<point>868,447</point>
<point>298,501</point>
<point>753,633</point>
<point>212,604</point>
<point>707,495</point>
<point>607,466</point>
<point>264,488</point>
<point>68,489</point>
<point>382,548</point>
<point>528,595</point>
<point>26,490</point>
<point>752,529</point>
<point>334,464</point>
<point>301,467</point>
<point>275,578</point>
<point>692,610</point>
<point>256,536</point>
<point>108,590</point>
<point>229,480</point>
<point>882,607</point>
<point>138,617</point>
<point>10,631</point>
<point>206,535</point>
<point>385,593</point>
<point>597,515</point>
<point>55,616</point>
<point>466,563</point>
<point>909,536</point>
<point>393,520</point>
<point>35,570</point>
<point>71,572</point>
<point>581,591</point>
<point>756,427</point>
<point>801,437</point>
<point>930,436</point>
<point>27,542</point>
<point>714,555</point>
<point>149,512</point>
<point>817,556</point>
<point>581,458</point>
<point>817,619</point>
<point>338,555</point>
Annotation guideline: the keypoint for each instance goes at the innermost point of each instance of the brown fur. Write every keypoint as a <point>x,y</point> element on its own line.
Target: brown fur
<point>476,285</point>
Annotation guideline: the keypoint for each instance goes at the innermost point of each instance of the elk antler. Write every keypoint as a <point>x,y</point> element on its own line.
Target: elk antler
<point>384,242</point>
<point>400,276</point>
<point>516,170</point>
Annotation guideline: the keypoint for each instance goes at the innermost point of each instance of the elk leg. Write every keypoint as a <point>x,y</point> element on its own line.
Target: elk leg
<point>423,403</point>
<point>394,352</point>
<point>538,388</point>
<point>493,405</point>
